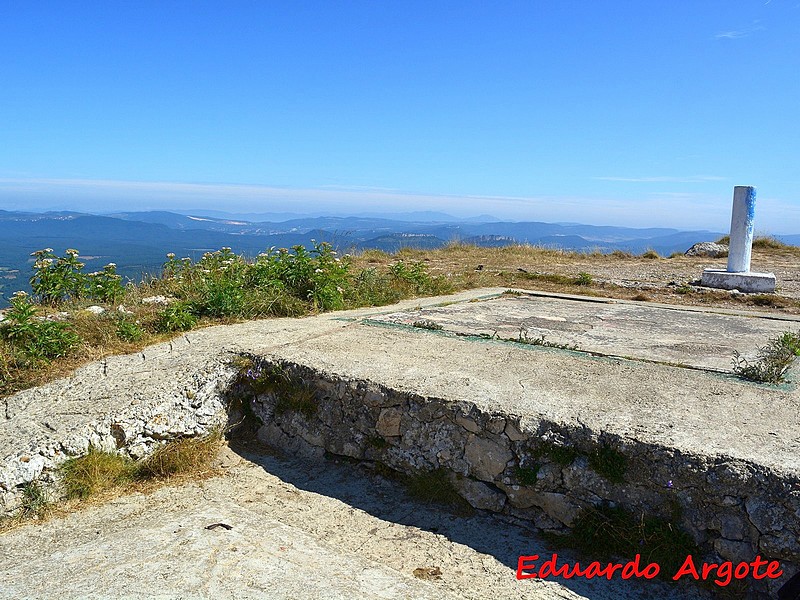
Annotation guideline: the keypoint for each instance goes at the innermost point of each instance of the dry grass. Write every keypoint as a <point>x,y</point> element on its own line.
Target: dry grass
<point>182,457</point>
<point>96,472</point>
<point>99,472</point>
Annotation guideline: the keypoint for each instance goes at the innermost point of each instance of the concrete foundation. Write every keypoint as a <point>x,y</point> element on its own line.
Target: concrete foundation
<point>744,282</point>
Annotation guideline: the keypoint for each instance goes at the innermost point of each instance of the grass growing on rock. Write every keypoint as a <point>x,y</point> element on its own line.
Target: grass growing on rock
<point>100,475</point>
<point>609,533</point>
<point>96,472</point>
<point>291,393</point>
<point>609,462</point>
<point>99,472</point>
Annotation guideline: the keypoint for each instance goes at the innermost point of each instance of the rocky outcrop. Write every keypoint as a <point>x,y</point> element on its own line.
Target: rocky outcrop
<point>708,249</point>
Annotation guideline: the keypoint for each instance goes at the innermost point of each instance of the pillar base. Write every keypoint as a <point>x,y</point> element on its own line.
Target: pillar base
<point>744,282</point>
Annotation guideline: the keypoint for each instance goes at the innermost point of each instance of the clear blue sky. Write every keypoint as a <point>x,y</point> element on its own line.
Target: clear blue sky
<point>612,112</point>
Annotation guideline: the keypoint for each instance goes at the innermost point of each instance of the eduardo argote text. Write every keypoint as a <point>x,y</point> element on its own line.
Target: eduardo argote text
<point>530,567</point>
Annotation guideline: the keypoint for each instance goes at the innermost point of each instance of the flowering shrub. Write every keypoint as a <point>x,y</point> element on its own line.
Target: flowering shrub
<point>105,285</point>
<point>56,279</point>
<point>317,275</point>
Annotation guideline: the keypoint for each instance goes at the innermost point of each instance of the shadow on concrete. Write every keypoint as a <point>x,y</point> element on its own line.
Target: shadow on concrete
<point>356,484</point>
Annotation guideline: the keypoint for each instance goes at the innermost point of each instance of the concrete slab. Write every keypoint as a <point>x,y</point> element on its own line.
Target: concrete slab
<point>748,283</point>
<point>705,340</point>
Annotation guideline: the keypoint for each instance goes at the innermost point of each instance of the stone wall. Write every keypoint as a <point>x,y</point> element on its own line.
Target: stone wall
<point>539,470</point>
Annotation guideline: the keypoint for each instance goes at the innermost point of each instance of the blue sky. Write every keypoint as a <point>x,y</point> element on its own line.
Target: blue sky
<point>610,112</point>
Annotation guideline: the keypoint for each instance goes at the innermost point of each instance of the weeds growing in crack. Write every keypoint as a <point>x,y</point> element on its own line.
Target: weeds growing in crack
<point>772,360</point>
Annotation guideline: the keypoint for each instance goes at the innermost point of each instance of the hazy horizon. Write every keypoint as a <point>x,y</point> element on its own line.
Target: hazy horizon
<point>712,214</point>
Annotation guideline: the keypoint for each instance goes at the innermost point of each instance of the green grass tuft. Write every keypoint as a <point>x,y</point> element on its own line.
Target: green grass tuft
<point>609,462</point>
<point>607,534</point>
<point>527,475</point>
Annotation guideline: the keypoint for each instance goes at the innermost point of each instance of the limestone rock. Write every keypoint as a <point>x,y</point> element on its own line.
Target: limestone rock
<point>481,496</point>
<point>388,424</point>
<point>486,457</point>
<point>708,249</point>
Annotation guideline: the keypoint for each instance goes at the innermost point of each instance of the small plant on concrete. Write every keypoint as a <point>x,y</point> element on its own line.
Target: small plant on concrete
<point>427,324</point>
<point>772,362</point>
<point>584,278</point>
<point>35,500</point>
<point>524,338</point>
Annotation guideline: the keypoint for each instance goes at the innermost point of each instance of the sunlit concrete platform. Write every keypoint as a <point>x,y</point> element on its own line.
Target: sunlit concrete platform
<point>649,383</point>
<point>701,338</point>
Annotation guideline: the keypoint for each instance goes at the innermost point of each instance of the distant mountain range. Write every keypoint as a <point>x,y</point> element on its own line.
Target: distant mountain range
<point>138,241</point>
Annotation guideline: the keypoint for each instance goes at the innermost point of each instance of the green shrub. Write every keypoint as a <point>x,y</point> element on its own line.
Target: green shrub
<point>105,285</point>
<point>178,316</point>
<point>584,279</point>
<point>36,339</point>
<point>317,275</point>
<point>772,362</point>
<point>129,331</point>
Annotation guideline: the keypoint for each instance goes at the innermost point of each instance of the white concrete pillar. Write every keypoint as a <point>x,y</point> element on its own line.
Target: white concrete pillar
<point>738,276</point>
<point>741,242</point>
